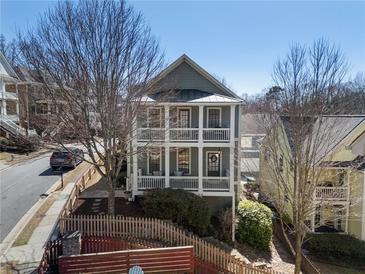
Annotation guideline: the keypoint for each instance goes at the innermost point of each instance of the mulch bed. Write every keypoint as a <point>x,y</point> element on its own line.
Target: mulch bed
<point>97,206</point>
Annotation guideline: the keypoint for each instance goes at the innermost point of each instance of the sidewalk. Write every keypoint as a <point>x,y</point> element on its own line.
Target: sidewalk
<point>9,159</point>
<point>25,258</point>
<point>36,227</point>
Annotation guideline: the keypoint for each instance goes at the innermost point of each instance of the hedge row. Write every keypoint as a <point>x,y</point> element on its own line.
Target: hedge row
<point>181,207</point>
<point>337,248</point>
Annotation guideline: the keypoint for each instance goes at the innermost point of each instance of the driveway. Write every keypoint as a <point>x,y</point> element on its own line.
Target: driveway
<point>20,187</point>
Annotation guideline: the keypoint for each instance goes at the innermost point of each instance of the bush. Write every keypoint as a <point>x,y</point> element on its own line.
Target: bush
<point>255,224</point>
<point>337,248</point>
<point>179,206</point>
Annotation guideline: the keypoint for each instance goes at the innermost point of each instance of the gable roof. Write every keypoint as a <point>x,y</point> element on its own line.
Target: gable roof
<point>341,126</point>
<point>185,59</point>
<point>252,123</point>
<point>6,70</point>
<point>191,96</point>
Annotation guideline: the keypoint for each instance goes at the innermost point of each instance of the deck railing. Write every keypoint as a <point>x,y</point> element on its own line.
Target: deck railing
<point>190,183</point>
<point>331,193</point>
<point>216,134</point>
<point>184,134</point>
<point>151,134</point>
<point>216,183</point>
<point>185,182</point>
<point>151,182</point>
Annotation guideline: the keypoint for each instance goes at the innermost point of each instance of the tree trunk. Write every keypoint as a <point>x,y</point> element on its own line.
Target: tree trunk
<point>298,253</point>
<point>111,199</point>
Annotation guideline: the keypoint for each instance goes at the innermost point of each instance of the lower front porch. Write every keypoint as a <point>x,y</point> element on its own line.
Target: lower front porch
<point>205,171</point>
<point>330,218</point>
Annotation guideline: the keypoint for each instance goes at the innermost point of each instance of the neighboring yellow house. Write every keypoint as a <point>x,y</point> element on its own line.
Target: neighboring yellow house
<point>340,194</point>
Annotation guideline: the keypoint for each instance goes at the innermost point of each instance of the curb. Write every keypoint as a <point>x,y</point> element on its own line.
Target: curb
<point>20,225</point>
<point>39,156</point>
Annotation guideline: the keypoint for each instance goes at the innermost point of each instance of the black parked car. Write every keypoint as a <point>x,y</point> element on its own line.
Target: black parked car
<point>66,158</point>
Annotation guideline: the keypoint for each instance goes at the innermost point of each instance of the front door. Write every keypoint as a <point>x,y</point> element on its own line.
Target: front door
<point>214,164</point>
<point>184,118</point>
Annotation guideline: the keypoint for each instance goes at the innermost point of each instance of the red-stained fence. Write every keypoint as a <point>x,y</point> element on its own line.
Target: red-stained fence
<point>154,260</point>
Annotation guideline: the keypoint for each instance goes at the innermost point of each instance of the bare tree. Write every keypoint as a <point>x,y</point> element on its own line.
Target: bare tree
<point>97,60</point>
<point>10,50</point>
<point>299,137</point>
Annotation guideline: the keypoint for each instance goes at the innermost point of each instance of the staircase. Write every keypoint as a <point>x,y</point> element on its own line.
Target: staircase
<point>16,133</point>
<point>52,132</point>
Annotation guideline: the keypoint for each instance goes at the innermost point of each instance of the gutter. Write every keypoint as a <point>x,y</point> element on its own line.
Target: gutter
<point>363,210</point>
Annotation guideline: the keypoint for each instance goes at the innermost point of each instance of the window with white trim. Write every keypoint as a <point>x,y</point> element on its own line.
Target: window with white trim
<point>214,117</point>
<point>183,160</point>
<point>183,119</point>
<point>154,117</point>
<point>154,161</point>
<point>246,142</point>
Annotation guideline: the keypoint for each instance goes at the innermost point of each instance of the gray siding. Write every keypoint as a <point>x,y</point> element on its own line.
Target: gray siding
<point>186,77</point>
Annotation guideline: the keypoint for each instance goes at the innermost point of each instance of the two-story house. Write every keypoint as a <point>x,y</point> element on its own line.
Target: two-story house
<point>339,195</point>
<point>9,103</point>
<point>187,136</point>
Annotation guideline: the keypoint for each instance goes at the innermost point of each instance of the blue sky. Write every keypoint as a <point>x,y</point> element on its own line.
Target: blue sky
<point>237,40</point>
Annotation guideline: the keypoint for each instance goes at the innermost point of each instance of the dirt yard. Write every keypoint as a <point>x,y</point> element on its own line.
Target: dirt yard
<point>96,206</point>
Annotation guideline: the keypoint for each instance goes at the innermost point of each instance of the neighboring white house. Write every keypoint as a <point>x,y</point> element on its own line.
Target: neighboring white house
<point>9,103</point>
<point>252,132</point>
<point>192,135</point>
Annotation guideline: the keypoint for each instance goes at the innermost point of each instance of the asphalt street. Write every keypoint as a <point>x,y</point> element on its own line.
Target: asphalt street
<point>20,188</point>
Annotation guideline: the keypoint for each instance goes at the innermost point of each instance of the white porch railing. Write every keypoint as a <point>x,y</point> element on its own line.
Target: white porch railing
<point>216,184</point>
<point>184,134</point>
<point>151,134</point>
<point>190,183</point>
<point>150,182</point>
<point>216,134</point>
<point>185,182</point>
<point>331,193</point>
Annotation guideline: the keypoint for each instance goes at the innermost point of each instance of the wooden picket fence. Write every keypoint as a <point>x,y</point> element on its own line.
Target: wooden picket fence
<point>81,183</point>
<point>157,230</point>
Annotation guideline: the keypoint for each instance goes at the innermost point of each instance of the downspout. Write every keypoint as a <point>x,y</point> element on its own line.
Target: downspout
<point>363,210</point>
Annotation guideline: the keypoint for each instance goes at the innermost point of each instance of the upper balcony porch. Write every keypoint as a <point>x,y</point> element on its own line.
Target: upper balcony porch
<point>188,124</point>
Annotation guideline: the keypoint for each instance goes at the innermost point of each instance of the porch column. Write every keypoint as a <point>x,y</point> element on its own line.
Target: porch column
<point>232,150</point>
<point>200,151</point>
<point>3,103</point>
<point>232,168</point>
<point>363,210</point>
<point>313,226</point>
<point>167,166</point>
<point>167,146</point>
<point>200,170</point>
<point>17,101</point>
<point>128,160</point>
<point>134,159</point>
<point>233,217</point>
<point>201,115</point>
<point>347,201</point>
